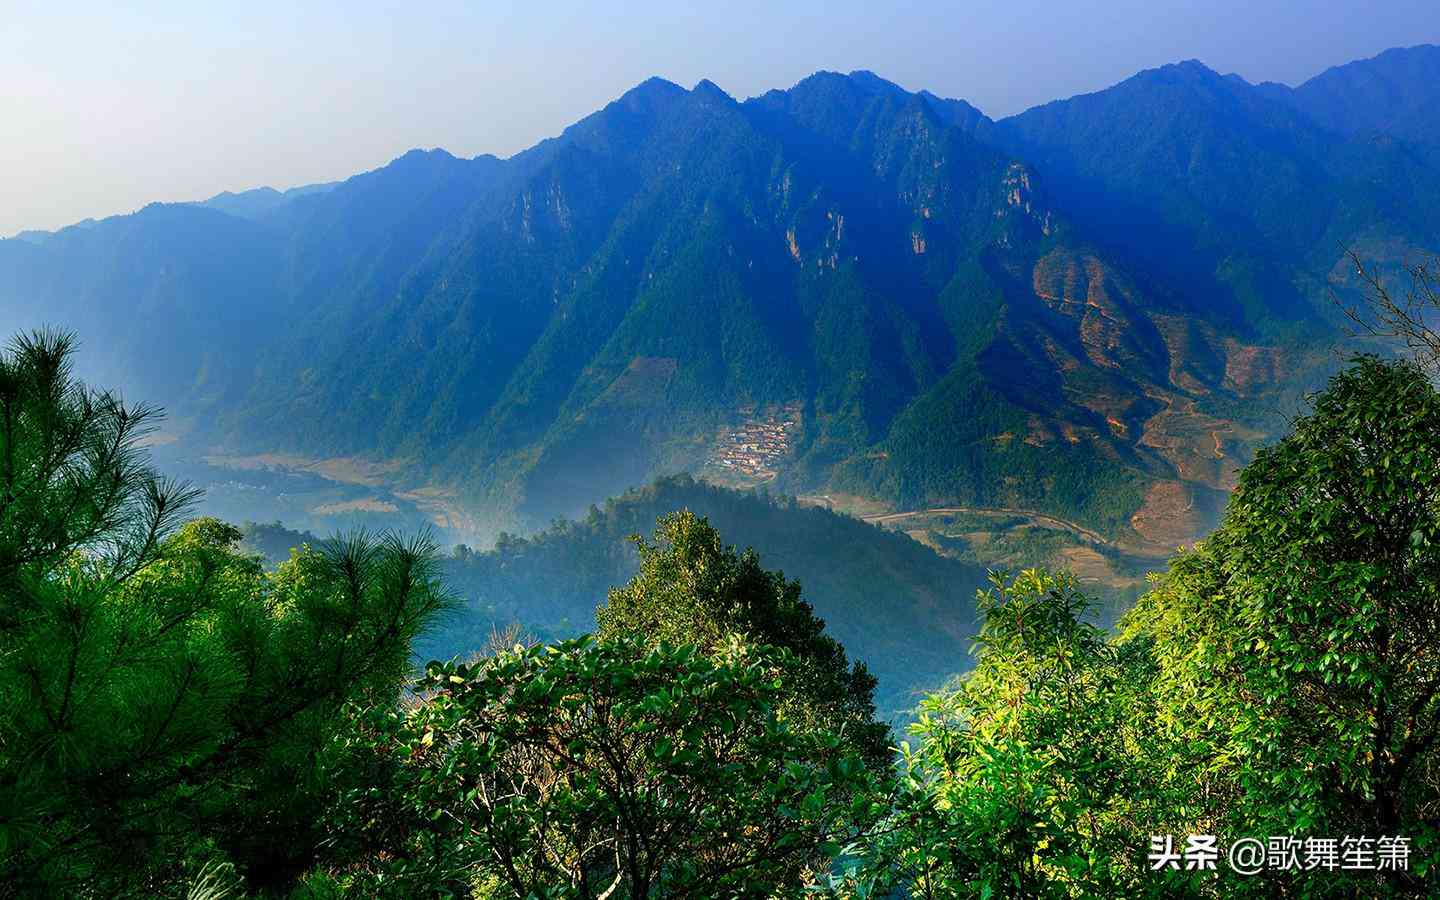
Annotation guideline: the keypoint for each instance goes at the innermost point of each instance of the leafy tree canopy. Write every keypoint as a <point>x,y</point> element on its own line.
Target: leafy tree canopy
<point>1280,680</point>
<point>598,769</point>
<point>1023,779</point>
<point>1297,646</point>
<point>692,589</point>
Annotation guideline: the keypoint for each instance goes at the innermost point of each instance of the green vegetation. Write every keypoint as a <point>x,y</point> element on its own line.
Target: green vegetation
<point>178,721</point>
<point>589,769</point>
<point>1279,680</point>
<point>1302,632</point>
<point>1003,541</point>
<point>1030,779</point>
<point>163,701</point>
<point>942,450</point>
<point>693,589</point>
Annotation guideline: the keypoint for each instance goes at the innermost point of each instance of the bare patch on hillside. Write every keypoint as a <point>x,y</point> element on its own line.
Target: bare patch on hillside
<point>1169,515</point>
<point>364,505</point>
<point>1083,288</point>
<point>341,469</point>
<point>1196,363</point>
<point>1202,448</point>
<point>925,537</point>
<point>1248,367</point>
<point>849,504</point>
<point>1090,565</point>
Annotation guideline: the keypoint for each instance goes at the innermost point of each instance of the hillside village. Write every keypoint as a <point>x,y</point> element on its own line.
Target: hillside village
<point>750,451</point>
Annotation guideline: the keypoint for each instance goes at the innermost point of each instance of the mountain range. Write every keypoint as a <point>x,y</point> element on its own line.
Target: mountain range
<point>1094,310</point>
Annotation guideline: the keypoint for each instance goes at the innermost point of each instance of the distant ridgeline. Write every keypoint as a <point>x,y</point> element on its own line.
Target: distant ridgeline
<point>1096,309</point>
<point>905,611</point>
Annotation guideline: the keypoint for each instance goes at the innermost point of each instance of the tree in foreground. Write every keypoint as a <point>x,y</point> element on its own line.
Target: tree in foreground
<point>1022,781</point>
<point>692,589</point>
<point>165,703</point>
<point>1281,680</point>
<point>1298,648</point>
<point>608,769</point>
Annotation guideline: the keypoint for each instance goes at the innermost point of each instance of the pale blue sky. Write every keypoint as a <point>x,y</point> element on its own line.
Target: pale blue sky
<point>103,110</point>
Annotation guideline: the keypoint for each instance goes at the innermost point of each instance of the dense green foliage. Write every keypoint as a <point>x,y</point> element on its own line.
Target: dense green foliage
<point>1302,634</point>
<point>1280,681</point>
<point>692,589</point>
<point>590,769</point>
<point>1031,778</point>
<point>163,701</point>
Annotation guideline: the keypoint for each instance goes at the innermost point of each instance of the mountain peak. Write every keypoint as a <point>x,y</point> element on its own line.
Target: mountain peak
<point>262,191</point>
<point>707,88</point>
<point>872,82</point>
<point>651,89</point>
<point>1393,92</point>
<point>417,153</point>
<point>868,82</point>
<point>1188,70</point>
<point>649,97</point>
<point>416,159</point>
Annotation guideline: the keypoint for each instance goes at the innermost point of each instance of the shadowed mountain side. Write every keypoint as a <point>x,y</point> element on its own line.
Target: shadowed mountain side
<point>1094,310</point>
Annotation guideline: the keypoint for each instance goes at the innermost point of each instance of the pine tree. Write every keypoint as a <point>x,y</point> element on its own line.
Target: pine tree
<point>164,701</point>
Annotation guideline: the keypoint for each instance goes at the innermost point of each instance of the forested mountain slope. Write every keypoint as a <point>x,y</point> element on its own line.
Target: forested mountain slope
<point>1095,309</point>
<point>1390,94</point>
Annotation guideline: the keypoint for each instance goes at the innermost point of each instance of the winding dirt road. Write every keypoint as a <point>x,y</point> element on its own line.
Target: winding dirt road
<point>1035,517</point>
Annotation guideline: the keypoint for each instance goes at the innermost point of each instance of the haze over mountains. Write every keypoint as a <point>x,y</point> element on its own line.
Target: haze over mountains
<point>875,590</point>
<point>1094,310</point>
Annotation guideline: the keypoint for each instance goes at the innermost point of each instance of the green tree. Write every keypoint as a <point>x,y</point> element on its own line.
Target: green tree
<point>1023,780</point>
<point>164,701</point>
<point>1296,648</point>
<point>692,589</point>
<point>1280,679</point>
<point>609,769</point>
